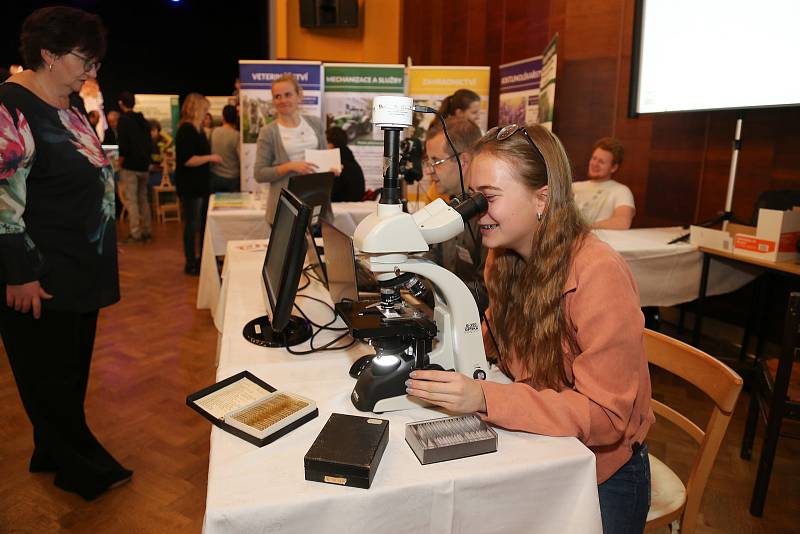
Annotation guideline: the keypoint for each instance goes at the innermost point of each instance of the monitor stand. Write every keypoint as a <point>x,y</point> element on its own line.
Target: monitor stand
<point>260,332</point>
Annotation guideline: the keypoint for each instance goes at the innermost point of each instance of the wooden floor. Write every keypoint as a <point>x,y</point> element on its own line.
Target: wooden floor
<point>154,347</point>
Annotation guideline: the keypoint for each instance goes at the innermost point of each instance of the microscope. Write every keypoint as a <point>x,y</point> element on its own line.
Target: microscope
<point>403,337</point>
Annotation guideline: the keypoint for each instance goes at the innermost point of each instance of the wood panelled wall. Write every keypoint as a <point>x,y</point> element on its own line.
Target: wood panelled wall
<point>676,164</point>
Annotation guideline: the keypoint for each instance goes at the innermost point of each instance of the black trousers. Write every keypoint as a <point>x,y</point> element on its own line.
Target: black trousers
<point>194,225</point>
<point>50,359</point>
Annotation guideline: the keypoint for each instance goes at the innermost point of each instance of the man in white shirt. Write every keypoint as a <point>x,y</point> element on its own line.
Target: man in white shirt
<point>604,202</point>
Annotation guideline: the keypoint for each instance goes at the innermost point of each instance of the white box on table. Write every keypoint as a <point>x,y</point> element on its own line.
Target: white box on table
<point>722,240</point>
<point>775,238</point>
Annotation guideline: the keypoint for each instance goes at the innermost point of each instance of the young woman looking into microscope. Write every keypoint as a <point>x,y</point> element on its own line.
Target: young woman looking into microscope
<point>564,312</point>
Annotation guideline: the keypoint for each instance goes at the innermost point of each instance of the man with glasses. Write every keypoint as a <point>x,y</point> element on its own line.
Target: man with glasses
<point>440,163</point>
<point>462,255</point>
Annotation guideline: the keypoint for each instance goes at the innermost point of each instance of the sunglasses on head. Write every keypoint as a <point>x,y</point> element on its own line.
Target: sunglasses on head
<point>507,131</point>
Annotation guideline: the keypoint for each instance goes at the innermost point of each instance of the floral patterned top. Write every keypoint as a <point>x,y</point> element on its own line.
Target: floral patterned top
<point>56,203</point>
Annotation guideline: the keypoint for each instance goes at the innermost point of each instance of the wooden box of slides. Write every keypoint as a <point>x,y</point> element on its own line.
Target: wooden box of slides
<point>347,450</point>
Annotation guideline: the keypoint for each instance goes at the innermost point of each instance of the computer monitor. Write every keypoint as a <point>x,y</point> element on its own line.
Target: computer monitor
<point>283,266</point>
<point>340,264</point>
<point>315,191</point>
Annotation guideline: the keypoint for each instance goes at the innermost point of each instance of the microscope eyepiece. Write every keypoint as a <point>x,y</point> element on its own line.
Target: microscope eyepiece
<point>470,206</point>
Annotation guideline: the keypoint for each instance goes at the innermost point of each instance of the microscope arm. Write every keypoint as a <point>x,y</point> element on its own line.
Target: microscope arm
<point>459,335</point>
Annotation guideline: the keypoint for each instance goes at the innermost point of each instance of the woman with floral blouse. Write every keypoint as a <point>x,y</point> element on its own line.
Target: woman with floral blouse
<point>58,251</point>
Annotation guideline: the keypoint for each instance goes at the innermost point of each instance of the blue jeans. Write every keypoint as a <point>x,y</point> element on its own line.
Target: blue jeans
<point>221,184</point>
<point>625,497</point>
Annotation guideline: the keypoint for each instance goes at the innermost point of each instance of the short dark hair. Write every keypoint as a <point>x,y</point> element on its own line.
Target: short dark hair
<point>154,124</point>
<point>128,99</point>
<point>336,136</point>
<point>229,114</point>
<point>464,133</point>
<point>60,30</point>
<point>613,145</point>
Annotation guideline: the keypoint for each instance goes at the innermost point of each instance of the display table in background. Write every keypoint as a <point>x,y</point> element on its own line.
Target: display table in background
<point>234,216</point>
<point>666,274</point>
<point>532,484</point>
<point>670,274</point>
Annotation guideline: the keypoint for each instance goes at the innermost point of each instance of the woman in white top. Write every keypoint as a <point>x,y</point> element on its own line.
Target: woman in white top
<point>281,145</point>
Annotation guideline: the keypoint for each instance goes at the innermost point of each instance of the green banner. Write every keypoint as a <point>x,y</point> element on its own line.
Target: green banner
<point>364,79</point>
<point>347,104</point>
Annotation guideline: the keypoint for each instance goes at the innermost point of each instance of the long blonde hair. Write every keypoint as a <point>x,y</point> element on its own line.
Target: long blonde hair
<point>194,108</point>
<point>526,298</point>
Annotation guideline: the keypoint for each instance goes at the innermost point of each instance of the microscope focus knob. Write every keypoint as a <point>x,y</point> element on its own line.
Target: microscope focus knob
<point>479,374</point>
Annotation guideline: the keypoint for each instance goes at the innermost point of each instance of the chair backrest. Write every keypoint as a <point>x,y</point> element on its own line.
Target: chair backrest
<point>713,378</point>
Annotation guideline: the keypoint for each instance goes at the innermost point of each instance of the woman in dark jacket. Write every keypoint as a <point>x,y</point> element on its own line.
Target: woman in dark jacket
<point>349,185</point>
<point>192,177</point>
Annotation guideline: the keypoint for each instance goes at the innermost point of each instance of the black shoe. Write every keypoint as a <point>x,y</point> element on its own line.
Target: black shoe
<point>147,236</point>
<point>192,269</point>
<point>91,490</point>
<point>42,462</point>
<point>132,239</point>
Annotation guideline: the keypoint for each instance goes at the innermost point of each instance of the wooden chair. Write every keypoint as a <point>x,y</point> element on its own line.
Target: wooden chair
<point>672,503</point>
<point>166,204</point>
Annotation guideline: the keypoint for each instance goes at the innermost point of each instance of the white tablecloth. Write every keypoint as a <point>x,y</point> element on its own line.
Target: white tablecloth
<point>532,484</point>
<point>248,221</point>
<point>670,274</point>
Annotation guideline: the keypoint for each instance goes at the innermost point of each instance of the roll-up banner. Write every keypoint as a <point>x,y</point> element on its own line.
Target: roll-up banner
<point>429,85</point>
<point>519,92</point>
<point>163,108</point>
<point>527,89</point>
<point>256,109</point>
<point>547,91</point>
<point>347,103</point>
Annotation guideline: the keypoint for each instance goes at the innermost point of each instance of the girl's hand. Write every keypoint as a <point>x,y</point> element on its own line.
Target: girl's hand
<point>450,390</point>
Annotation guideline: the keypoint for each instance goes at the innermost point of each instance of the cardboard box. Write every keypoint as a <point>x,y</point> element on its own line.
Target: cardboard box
<point>775,239</point>
<point>718,239</point>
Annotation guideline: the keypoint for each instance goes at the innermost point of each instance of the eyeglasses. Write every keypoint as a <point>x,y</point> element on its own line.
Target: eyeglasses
<point>88,64</point>
<point>431,165</point>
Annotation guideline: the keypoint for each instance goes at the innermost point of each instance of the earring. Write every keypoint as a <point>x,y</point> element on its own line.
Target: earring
<point>538,216</point>
<point>50,66</point>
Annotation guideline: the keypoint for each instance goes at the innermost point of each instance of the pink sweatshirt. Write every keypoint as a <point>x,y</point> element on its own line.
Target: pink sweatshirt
<point>608,408</point>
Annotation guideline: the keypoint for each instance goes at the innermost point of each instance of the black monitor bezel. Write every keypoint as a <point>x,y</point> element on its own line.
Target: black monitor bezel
<point>292,269</point>
<point>304,185</point>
